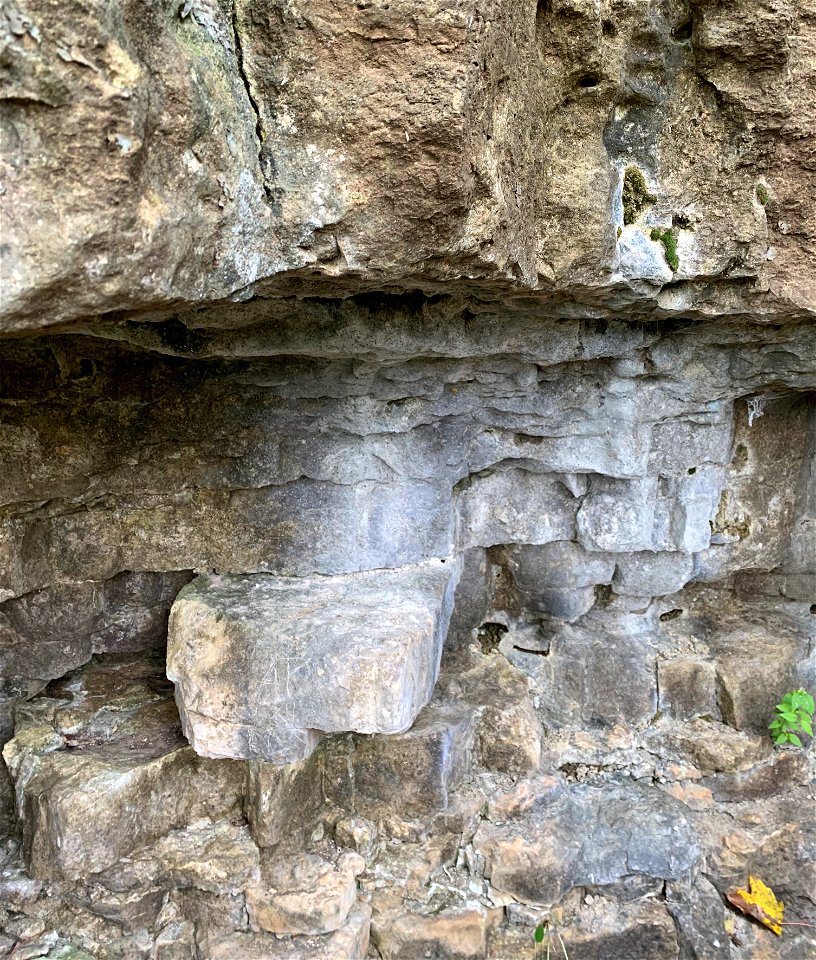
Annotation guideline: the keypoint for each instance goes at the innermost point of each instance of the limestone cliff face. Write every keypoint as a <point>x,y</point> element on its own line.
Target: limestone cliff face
<point>200,151</point>
<point>428,389</point>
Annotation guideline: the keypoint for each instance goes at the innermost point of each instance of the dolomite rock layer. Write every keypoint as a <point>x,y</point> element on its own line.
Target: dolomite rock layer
<point>246,148</point>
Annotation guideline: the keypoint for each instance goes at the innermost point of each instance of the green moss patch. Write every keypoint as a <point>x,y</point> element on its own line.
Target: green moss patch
<point>669,240</point>
<point>636,196</point>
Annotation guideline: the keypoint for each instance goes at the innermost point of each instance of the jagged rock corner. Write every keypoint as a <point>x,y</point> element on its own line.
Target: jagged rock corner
<point>407,477</point>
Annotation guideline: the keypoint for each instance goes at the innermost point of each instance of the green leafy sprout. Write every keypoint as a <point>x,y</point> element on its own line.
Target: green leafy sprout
<point>546,928</point>
<point>794,715</point>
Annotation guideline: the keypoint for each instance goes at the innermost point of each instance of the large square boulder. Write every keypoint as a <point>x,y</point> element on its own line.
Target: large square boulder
<point>264,666</point>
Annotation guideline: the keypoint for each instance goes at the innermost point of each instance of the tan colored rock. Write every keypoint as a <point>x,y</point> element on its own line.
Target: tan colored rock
<point>350,942</point>
<point>216,857</point>
<point>175,939</point>
<point>523,797</point>
<point>282,801</point>
<point>466,154</point>
<point>782,772</point>
<point>457,934</point>
<point>693,795</point>
<point>304,894</point>
<point>714,747</point>
<point>599,931</point>
<point>421,766</point>
<point>119,753</point>
<point>507,730</point>
<point>356,833</point>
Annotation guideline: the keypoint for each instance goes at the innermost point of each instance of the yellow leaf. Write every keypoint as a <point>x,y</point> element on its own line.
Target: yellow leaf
<point>759,902</point>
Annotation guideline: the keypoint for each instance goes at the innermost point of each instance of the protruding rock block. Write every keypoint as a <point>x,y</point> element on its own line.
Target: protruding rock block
<point>712,747</point>
<point>516,506</point>
<point>618,515</point>
<point>283,801</point>
<point>646,574</point>
<point>602,929</point>
<point>264,665</point>
<point>455,933</point>
<point>100,769</point>
<point>305,894</point>
<point>506,731</point>
<point>349,942</point>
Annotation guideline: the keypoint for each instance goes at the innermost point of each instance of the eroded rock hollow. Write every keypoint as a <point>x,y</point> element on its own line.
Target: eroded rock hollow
<point>407,477</point>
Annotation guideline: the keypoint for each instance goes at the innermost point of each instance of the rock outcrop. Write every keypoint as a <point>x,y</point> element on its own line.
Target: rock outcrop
<point>428,390</point>
<point>242,650</point>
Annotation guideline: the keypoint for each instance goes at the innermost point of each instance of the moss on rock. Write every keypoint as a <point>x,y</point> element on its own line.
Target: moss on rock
<point>669,240</point>
<point>636,196</point>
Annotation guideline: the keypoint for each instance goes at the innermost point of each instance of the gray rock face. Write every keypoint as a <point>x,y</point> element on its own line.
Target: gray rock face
<point>422,766</point>
<point>242,651</point>
<point>46,633</point>
<point>588,837</point>
<point>688,688</point>
<point>534,294</point>
<point>560,578</point>
<point>652,574</point>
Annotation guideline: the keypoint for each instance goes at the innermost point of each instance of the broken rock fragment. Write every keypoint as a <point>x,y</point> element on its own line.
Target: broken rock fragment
<point>264,665</point>
<point>305,894</point>
<point>588,837</point>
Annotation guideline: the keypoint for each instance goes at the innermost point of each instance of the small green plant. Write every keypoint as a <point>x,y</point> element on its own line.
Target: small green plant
<point>547,928</point>
<point>669,240</point>
<point>794,715</point>
<point>762,193</point>
<point>636,194</point>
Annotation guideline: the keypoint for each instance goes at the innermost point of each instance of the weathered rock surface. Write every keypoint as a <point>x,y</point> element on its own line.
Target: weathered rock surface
<point>107,740</point>
<point>242,651</point>
<point>587,845</point>
<point>600,930</point>
<point>587,837</point>
<point>305,895</point>
<point>475,141</point>
<point>350,942</point>
<point>533,295</point>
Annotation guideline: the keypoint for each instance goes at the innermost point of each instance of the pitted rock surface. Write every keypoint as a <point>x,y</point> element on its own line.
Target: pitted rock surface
<point>449,369</point>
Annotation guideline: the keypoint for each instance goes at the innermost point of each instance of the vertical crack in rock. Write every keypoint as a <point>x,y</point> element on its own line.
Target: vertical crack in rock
<point>259,133</point>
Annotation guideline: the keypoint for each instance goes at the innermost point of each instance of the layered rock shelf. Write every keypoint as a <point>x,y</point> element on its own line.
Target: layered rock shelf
<point>407,478</point>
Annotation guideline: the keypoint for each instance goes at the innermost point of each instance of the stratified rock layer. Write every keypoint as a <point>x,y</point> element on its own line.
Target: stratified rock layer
<point>303,298</point>
<point>101,770</point>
